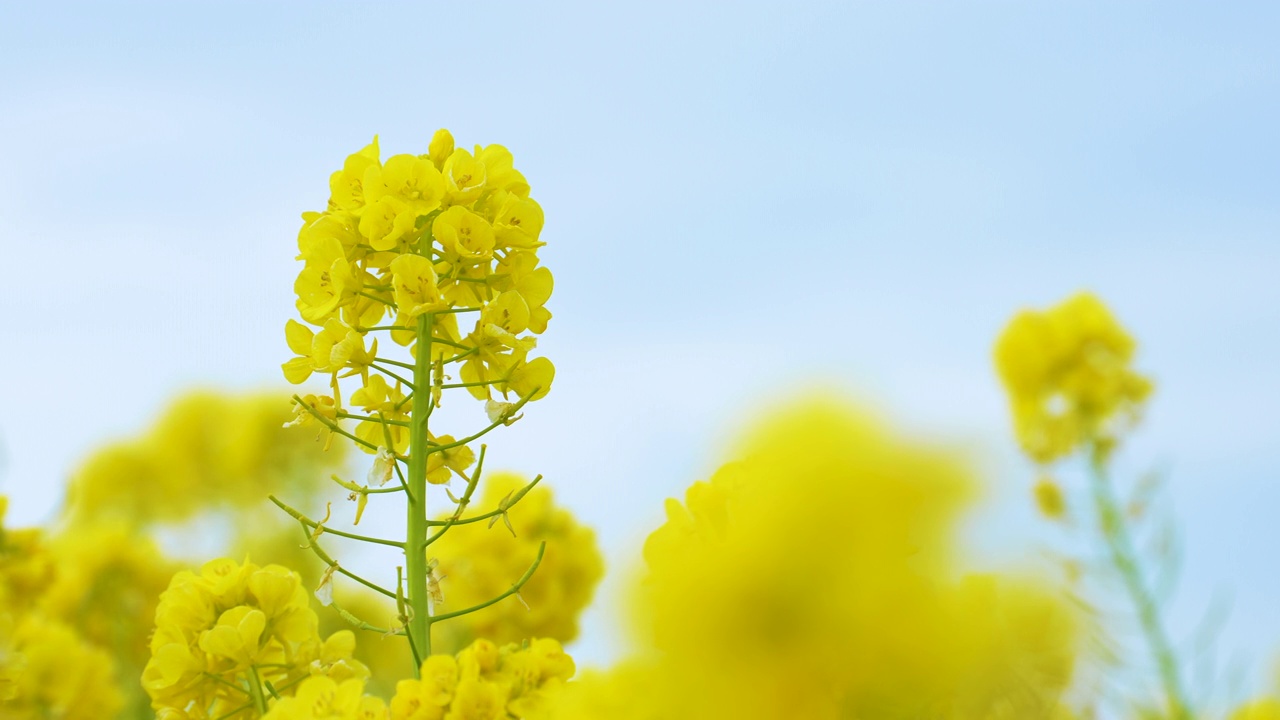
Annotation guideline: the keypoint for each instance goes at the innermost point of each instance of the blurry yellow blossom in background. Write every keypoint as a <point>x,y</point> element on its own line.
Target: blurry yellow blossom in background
<point>483,559</point>
<point>1067,373</point>
<point>816,577</point>
<point>485,682</point>
<point>208,452</point>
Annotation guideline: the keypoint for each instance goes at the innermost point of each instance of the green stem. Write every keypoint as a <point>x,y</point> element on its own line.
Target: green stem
<point>1124,557</point>
<point>415,558</point>
<point>255,691</point>
<point>542,548</point>
<point>312,524</point>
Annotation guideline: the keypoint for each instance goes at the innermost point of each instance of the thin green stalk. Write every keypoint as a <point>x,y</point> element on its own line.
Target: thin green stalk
<point>255,691</point>
<point>1120,546</point>
<point>415,558</point>
<point>313,524</point>
<point>515,588</point>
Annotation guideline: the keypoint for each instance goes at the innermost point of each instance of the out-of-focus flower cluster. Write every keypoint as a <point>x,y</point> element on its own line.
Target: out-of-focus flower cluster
<point>815,578</point>
<point>485,682</point>
<point>481,560</point>
<point>208,452</point>
<point>233,626</point>
<point>1067,371</point>
<point>74,609</point>
<point>413,237</point>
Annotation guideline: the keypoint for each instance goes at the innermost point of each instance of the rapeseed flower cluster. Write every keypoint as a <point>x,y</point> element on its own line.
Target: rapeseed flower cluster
<point>405,248</point>
<point>208,453</point>
<point>48,668</point>
<point>485,682</point>
<point>224,634</point>
<point>1068,375</point>
<point>816,577</point>
<point>421,238</point>
<point>483,559</point>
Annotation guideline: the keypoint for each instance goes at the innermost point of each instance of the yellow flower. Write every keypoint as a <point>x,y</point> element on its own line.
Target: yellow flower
<point>534,284</point>
<point>519,223</point>
<point>464,177</point>
<point>813,578</point>
<point>347,185</point>
<point>414,279</point>
<point>500,170</point>
<point>409,178</point>
<point>486,683</point>
<point>53,672</point>
<point>463,233</point>
<point>1067,372</point>
<point>322,698</point>
<point>225,626</point>
<point>327,281</point>
<point>377,397</point>
<point>530,379</point>
<point>443,463</point>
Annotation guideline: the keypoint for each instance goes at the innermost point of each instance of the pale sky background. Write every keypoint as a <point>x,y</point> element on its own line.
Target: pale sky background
<point>741,199</point>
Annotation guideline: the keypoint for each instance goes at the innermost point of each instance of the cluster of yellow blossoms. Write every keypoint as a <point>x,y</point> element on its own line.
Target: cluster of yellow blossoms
<point>437,234</point>
<point>1067,373</point>
<point>483,560</point>
<point>74,611</point>
<point>814,578</point>
<point>224,634</point>
<point>208,452</point>
<point>484,682</point>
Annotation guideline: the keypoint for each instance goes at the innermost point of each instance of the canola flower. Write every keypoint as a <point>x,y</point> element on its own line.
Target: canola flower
<point>1074,393</point>
<point>485,682</point>
<point>207,453</point>
<point>229,635</point>
<point>47,667</point>
<point>480,558</point>
<point>1068,375</point>
<point>815,577</point>
<point>438,254</point>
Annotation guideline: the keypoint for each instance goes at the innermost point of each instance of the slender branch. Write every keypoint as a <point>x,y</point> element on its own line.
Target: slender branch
<point>353,487</point>
<point>478,383</point>
<point>353,416</point>
<point>389,361</point>
<point>393,376</point>
<point>383,327</point>
<point>375,297</point>
<point>542,547</point>
<point>500,421</point>
<point>1125,559</point>
<point>328,560</point>
<point>461,355</point>
<point>313,524</point>
<point>255,691</point>
<point>359,624</point>
<point>472,482</point>
<point>492,514</point>
<point>450,343</point>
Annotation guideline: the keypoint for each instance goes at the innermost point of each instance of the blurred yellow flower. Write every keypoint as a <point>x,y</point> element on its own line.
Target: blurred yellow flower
<point>481,561</point>
<point>1067,372</point>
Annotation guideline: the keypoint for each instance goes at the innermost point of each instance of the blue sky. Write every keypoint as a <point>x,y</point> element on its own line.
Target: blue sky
<point>742,200</point>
